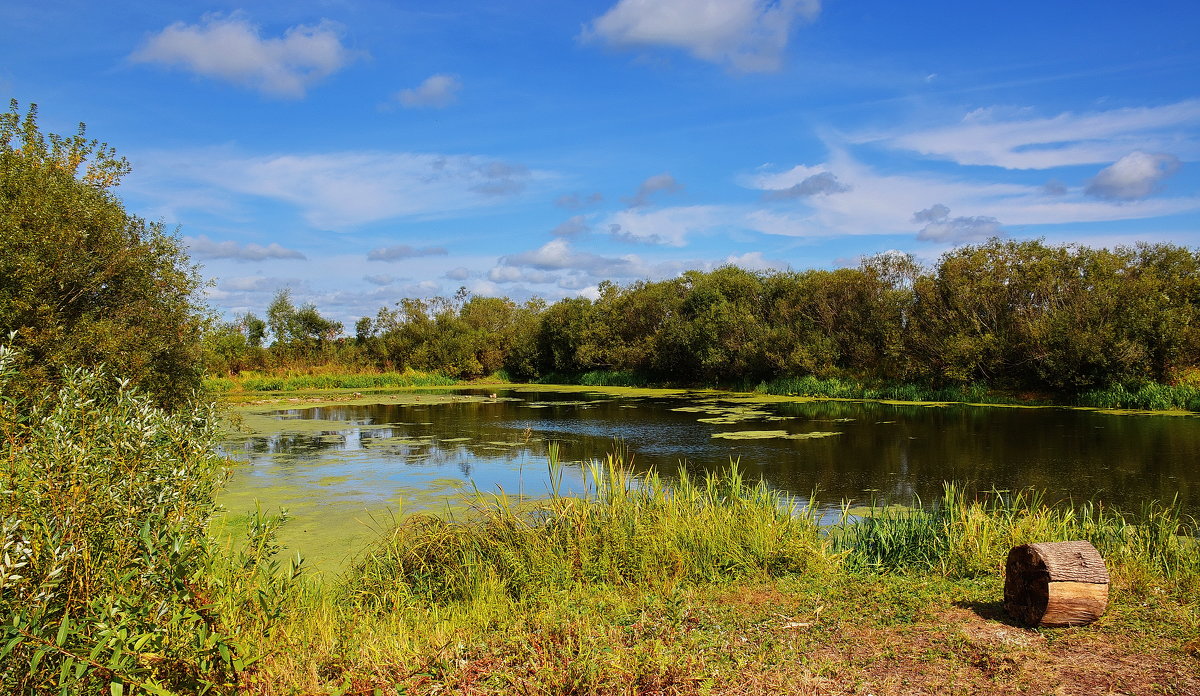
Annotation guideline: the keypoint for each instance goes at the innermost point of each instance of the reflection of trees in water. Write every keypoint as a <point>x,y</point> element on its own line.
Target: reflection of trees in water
<point>901,451</point>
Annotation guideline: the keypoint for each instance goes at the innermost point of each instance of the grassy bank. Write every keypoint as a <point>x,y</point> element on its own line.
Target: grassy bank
<point>723,586</point>
<point>1147,396</point>
<point>257,382</point>
<point>111,585</point>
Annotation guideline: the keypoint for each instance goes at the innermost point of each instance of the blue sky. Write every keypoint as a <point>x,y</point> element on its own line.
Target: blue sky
<point>361,151</point>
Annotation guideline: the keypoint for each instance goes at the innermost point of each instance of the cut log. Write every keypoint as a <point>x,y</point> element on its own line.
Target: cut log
<point>1063,583</point>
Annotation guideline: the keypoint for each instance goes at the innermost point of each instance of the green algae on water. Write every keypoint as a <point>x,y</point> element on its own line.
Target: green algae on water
<point>773,435</point>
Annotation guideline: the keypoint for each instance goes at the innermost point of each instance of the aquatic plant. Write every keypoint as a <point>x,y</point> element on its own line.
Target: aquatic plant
<point>625,529</point>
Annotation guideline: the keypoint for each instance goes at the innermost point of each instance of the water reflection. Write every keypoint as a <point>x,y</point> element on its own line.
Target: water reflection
<point>377,456</point>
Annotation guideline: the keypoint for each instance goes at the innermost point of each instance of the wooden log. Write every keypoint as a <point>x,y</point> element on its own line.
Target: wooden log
<point>1062,583</point>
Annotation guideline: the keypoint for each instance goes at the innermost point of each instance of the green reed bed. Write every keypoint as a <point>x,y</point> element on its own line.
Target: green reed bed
<point>965,537</point>
<point>841,388</point>
<point>1147,396</point>
<point>268,383</point>
<point>625,530</point>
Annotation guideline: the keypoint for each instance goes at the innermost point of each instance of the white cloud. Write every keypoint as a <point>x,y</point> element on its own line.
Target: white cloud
<point>458,273</point>
<point>399,252</point>
<point>883,203</point>
<point>1134,176</point>
<point>436,92</point>
<point>341,190</point>
<point>669,226</point>
<point>940,227</point>
<point>1016,141</point>
<point>204,248</point>
<point>748,35</point>
<point>232,49</point>
<point>513,274</point>
<point>557,255</point>
<point>755,261</point>
<point>254,283</point>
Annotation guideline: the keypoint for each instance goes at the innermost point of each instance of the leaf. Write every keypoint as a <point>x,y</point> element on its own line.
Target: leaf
<point>116,689</point>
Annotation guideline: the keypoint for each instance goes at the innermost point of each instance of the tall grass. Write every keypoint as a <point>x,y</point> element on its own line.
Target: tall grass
<point>841,388</point>
<point>960,537</point>
<point>285,383</point>
<point>1148,396</point>
<point>625,529</point>
<point>598,378</point>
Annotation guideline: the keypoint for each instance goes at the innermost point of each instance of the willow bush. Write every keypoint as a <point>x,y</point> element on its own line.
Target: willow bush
<point>104,575</point>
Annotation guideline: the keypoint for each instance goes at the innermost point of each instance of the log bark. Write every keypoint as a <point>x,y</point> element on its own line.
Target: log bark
<point>1055,584</point>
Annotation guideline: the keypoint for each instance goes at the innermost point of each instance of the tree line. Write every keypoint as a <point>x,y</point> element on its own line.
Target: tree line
<point>1014,315</point>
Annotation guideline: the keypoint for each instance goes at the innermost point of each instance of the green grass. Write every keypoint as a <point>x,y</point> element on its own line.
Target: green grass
<point>644,585</point>
<point>627,530</point>
<point>269,383</point>
<point>1147,396</point>
<point>841,388</point>
<point>639,584</point>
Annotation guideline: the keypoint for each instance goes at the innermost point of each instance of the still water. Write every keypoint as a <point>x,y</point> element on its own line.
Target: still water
<point>345,471</point>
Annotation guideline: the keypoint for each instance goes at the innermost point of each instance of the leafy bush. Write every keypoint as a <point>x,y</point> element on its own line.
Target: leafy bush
<point>104,576</point>
<point>83,282</point>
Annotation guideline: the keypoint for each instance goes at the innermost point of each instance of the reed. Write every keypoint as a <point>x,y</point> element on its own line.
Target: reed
<point>625,529</point>
<point>842,388</point>
<point>1148,396</point>
<point>963,537</point>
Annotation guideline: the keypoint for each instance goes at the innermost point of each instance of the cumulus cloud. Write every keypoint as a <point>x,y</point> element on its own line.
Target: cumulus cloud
<point>651,186</point>
<point>231,48</point>
<point>572,227</point>
<point>557,255</point>
<point>399,252</point>
<point>668,226</point>
<point>940,227</point>
<point>747,35</point>
<point>459,273</point>
<point>380,279</point>
<point>340,190</point>
<point>1016,140</point>
<point>436,92</point>
<point>204,248</point>
<point>823,183</point>
<point>575,201</point>
<point>1134,176</point>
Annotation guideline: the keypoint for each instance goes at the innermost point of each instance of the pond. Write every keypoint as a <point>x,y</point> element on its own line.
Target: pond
<point>345,471</point>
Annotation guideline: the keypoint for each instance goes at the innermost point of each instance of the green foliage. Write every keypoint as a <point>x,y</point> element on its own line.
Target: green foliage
<point>104,577</point>
<point>627,530</point>
<point>331,381</point>
<point>83,282</point>
<point>962,538</point>
<point>1145,396</point>
<point>993,322</point>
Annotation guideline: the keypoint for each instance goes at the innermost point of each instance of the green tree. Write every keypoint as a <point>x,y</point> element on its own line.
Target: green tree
<point>82,281</point>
